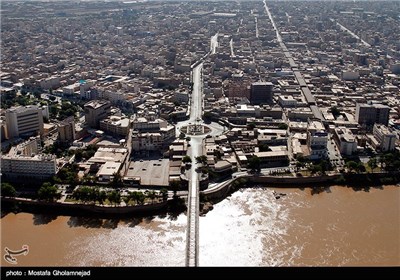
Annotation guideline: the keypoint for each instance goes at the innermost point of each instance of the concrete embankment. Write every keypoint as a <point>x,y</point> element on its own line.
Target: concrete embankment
<point>78,208</point>
<point>224,189</point>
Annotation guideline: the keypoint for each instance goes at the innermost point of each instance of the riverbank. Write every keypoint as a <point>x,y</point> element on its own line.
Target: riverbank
<point>208,197</point>
<point>36,206</point>
<point>316,183</point>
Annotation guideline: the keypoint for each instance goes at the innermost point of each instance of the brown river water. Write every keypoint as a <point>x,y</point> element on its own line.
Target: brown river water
<point>337,227</point>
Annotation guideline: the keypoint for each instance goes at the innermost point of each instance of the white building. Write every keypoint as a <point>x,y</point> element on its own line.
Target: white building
<point>50,83</point>
<point>317,140</point>
<point>116,125</point>
<point>38,166</point>
<point>345,140</point>
<point>71,89</point>
<point>385,138</point>
<point>153,141</point>
<point>23,161</point>
<point>146,124</point>
<point>181,96</point>
<point>287,101</point>
<point>24,120</point>
<point>108,170</point>
<point>350,75</point>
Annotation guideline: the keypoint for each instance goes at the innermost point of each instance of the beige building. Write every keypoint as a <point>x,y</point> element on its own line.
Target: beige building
<point>23,161</point>
<point>385,138</point>
<point>24,120</point>
<point>95,111</point>
<point>116,125</point>
<point>345,140</point>
<point>66,130</point>
<point>153,141</point>
<point>317,140</point>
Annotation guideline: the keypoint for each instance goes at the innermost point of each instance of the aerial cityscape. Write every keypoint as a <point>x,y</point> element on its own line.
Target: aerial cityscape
<point>200,133</point>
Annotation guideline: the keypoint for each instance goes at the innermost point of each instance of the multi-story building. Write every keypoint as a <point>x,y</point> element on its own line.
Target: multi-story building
<point>3,129</point>
<point>287,101</point>
<point>317,140</point>
<point>370,114</point>
<point>116,125</point>
<point>148,124</point>
<point>261,92</point>
<point>24,161</point>
<point>153,141</point>
<point>24,121</point>
<point>386,139</point>
<point>345,140</point>
<point>95,111</point>
<point>66,130</point>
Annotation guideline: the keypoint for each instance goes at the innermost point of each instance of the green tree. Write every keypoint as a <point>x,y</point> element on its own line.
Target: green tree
<point>264,148</point>
<point>85,194</point>
<point>360,167</point>
<point>117,180</point>
<point>151,195</point>
<point>8,190</point>
<point>254,163</point>
<point>175,186</point>
<point>139,197</point>
<point>102,197</point>
<point>201,159</point>
<point>251,126</point>
<point>164,194</point>
<point>352,165</point>
<point>299,165</point>
<point>283,126</point>
<point>48,192</point>
<point>372,163</point>
<point>114,197</point>
<point>335,111</point>
<point>78,155</point>
<point>186,159</point>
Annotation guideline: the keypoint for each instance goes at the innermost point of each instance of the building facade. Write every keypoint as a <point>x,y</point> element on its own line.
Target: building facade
<point>95,111</point>
<point>317,140</point>
<point>345,140</point>
<point>24,121</point>
<point>370,114</point>
<point>261,93</point>
<point>66,130</point>
<point>116,125</point>
<point>385,138</point>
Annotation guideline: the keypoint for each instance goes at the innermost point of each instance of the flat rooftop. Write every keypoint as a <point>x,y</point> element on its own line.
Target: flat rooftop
<point>150,172</point>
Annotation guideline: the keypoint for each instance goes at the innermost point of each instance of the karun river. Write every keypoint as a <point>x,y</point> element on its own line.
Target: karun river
<point>337,227</point>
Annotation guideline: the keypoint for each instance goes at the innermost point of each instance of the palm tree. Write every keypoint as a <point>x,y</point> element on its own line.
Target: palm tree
<point>164,194</point>
<point>372,163</point>
<point>175,186</point>
<point>102,196</point>
<point>114,197</point>
<point>152,195</point>
<point>137,196</point>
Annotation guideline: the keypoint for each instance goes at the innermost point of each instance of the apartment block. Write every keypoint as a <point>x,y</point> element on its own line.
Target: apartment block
<point>24,121</point>
<point>261,93</point>
<point>370,114</point>
<point>317,140</point>
<point>116,125</point>
<point>345,140</point>
<point>66,130</point>
<point>23,161</point>
<point>386,139</point>
<point>95,111</point>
